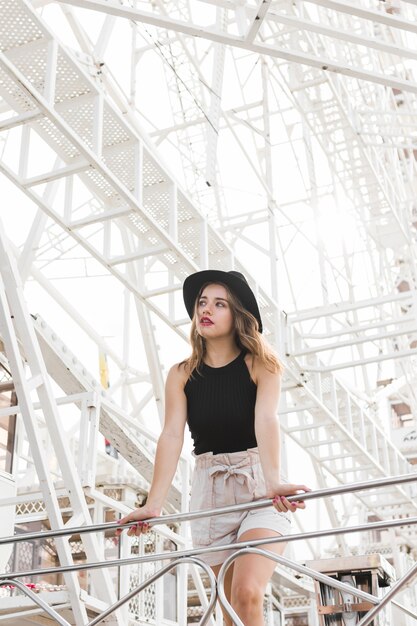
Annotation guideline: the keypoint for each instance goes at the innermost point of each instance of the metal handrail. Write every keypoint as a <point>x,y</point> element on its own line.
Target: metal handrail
<point>116,605</point>
<point>191,515</point>
<point>217,588</point>
<point>181,556</point>
<point>163,556</point>
<point>331,582</point>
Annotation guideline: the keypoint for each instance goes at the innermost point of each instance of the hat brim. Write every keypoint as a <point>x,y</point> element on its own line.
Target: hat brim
<point>194,283</point>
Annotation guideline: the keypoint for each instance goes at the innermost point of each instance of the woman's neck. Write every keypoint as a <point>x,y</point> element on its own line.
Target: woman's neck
<point>219,353</point>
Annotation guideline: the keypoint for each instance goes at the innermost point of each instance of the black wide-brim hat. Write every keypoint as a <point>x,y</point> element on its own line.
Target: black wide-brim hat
<point>236,282</point>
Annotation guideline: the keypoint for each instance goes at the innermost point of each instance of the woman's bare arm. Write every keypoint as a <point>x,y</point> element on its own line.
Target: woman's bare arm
<point>168,449</point>
<point>267,430</point>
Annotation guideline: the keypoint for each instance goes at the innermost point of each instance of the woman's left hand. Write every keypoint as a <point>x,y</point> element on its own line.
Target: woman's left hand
<point>280,492</point>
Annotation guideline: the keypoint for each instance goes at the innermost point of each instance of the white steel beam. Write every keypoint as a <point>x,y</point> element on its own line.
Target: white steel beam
<point>78,31</point>
<point>360,328</point>
<point>344,344</point>
<point>56,174</point>
<point>137,276</point>
<point>334,309</point>
<point>104,37</point>
<point>400,354</point>
<point>300,23</point>
<point>380,17</point>
<point>32,241</point>
<point>19,120</point>
<point>215,107</point>
<point>100,217</point>
<point>260,14</point>
<point>136,256</point>
<point>292,56</point>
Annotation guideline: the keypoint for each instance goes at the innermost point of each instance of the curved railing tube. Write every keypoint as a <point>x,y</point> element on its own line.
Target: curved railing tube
<point>36,599</point>
<point>327,580</point>
<point>164,570</point>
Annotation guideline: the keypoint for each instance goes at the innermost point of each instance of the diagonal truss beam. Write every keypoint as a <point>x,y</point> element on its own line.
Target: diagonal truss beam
<point>91,157</point>
<point>257,20</point>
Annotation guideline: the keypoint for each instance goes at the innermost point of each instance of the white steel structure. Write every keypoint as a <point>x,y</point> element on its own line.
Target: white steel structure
<point>141,141</point>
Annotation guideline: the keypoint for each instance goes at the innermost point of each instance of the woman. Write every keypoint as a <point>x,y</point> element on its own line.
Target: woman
<point>227,391</point>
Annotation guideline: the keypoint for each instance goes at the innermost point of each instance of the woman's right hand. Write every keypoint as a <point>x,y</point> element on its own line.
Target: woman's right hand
<point>139,515</point>
<point>280,491</point>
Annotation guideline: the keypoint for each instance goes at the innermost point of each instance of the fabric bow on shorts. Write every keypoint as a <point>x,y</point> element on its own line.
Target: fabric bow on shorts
<point>222,480</point>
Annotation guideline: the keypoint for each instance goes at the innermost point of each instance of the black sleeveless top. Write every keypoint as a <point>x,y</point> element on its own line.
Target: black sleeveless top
<point>221,407</point>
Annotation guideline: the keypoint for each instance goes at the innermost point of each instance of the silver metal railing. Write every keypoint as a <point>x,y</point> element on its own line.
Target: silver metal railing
<point>240,548</point>
<point>191,515</point>
<point>151,579</point>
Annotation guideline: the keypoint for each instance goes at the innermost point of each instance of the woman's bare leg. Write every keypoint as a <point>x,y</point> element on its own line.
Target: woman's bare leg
<point>251,574</point>
<point>227,589</point>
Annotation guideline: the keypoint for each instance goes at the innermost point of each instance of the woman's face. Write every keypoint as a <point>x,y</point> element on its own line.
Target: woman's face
<point>214,317</point>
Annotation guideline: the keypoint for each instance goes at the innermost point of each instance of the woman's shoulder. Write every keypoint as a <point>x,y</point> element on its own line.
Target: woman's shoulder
<point>178,373</point>
<point>258,368</point>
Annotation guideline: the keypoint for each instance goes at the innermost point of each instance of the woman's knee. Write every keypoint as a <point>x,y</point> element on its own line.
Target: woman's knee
<point>247,594</point>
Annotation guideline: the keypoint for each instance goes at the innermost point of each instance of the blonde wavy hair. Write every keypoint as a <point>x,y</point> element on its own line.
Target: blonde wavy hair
<point>247,336</point>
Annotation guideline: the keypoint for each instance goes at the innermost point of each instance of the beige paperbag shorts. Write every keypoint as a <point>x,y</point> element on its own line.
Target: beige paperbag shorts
<point>225,479</point>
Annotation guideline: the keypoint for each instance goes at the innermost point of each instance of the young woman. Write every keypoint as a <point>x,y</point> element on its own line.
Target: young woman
<point>227,391</point>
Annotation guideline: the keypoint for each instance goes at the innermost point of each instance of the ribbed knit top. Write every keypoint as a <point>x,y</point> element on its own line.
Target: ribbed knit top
<point>221,408</point>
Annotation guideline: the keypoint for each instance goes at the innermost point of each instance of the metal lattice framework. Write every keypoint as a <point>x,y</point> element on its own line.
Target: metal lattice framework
<point>284,144</point>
